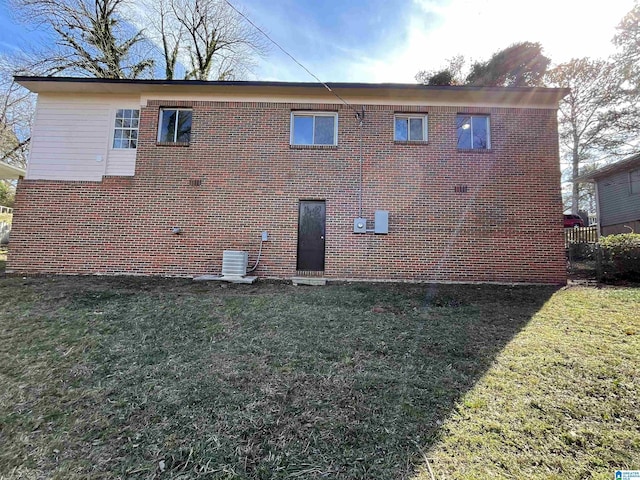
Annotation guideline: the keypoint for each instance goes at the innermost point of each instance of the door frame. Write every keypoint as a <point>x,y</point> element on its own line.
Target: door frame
<point>324,233</point>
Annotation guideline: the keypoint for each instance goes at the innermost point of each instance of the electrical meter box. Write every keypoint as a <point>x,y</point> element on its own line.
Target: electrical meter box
<point>360,225</point>
<point>381,222</point>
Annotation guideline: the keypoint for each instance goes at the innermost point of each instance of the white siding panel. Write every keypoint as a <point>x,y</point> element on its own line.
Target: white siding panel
<point>72,138</point>
<point>122,162</point>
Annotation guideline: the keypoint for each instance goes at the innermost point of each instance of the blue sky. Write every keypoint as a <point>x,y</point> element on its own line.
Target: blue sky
<point>390,41</point>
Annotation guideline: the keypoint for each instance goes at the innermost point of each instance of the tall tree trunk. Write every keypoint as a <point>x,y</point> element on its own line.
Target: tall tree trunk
<point>575,188</point>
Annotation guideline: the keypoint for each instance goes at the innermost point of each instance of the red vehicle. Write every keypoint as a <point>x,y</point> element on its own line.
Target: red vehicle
<point>573,221</point>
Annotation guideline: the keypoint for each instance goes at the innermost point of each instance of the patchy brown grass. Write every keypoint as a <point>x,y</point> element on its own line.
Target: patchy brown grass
<point>153,378</point>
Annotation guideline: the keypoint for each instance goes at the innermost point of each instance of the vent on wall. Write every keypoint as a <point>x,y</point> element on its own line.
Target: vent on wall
<point>461,188</point>
<point>195,182</point>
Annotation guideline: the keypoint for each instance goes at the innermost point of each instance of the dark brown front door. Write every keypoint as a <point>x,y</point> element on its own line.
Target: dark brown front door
<point>311,222</point>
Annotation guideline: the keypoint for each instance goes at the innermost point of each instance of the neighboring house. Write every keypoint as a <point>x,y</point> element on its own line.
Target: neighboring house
<point>117,165</point>
<point>9,172</point>
<point>617,195</point>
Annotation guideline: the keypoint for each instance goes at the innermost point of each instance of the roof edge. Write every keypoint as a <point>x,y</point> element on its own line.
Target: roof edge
<point>258,83</point>
<point>11,172</point>
<point>615,167</point>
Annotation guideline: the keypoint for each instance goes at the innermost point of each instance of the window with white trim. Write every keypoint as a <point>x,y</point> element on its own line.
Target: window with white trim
<point>473,132</point>
<point>314,128</point>
<point>634,181</point>
<point>410,128</point>
<point>125,132</point>
<point>175,125</point>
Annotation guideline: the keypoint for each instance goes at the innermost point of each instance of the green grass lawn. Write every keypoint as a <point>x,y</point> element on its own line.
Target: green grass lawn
<point>151,378</point>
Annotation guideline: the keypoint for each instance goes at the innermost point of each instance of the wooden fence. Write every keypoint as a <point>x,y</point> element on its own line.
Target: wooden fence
<point>580,235</point>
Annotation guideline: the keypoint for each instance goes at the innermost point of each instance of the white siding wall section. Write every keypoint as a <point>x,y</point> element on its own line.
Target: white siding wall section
<point>72,138</point>
<point>121,161</point>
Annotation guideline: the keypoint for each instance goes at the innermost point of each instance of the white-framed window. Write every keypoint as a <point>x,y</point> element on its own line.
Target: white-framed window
<point>174,125</point>
<point>410,128</point>
<point>314,128</point>
<point>473,132</point>
<point>634,181</point>
<point>125,132</point>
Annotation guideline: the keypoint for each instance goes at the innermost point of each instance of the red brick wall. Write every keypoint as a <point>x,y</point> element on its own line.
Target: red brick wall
<point>507,227</point>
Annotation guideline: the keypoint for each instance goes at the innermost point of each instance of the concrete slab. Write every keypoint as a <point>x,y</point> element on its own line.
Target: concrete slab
<point>308,281</point>
<point>228,278</point>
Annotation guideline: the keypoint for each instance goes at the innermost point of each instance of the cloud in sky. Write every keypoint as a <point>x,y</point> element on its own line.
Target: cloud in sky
<point>331,38</point>
<point>392,41</point>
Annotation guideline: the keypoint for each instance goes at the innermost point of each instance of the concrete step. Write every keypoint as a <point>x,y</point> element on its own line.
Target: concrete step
<point>225,278</point>
<point>309,281</point>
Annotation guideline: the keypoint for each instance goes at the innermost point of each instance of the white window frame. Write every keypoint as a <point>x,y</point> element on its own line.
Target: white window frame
<point>126,129</point>
<point>314,114</point>
<point>471,116</point>
<point>175,132</point>
<point>409,117</point>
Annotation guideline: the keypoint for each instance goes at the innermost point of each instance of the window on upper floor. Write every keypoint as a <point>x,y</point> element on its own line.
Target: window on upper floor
<point>314,128</point>
<point>410,128</point>
<point>634,181</point>
<point>174,125</point>
<point>473,132</point>
<point>125,133</point>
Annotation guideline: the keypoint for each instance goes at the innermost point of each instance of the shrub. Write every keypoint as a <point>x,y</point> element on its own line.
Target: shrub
<point>622,253</point>
<point>580,251</point>
<point>7,193</point>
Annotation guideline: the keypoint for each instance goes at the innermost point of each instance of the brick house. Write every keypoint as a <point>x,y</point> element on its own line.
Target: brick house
<point>465,180</point>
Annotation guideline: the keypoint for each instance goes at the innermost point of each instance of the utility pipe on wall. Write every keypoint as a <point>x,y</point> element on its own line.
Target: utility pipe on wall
<point>360,117</point>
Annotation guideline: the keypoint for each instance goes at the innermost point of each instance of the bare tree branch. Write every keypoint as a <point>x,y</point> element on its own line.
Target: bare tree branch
<point>217,44</point>
<point>92,38</point>
<point>590,118</point>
